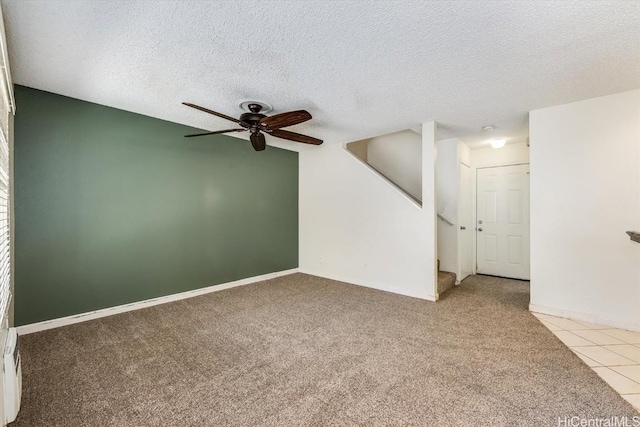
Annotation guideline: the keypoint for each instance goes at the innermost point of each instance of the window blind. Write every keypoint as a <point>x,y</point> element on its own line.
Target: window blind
<point>6,108</point>
<point>5,265</point>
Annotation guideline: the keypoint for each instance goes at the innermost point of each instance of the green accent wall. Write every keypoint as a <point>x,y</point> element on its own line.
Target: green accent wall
<point>113,207</point>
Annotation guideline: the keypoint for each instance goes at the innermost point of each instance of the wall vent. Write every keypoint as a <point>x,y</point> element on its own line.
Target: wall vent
<point>12,376</point>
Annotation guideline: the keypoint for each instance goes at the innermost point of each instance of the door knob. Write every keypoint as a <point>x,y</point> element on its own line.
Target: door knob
<point>479,229</point>
<point>462,227</point>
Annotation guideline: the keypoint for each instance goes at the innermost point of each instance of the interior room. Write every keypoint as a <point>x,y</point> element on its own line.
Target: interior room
<point>282,213</point>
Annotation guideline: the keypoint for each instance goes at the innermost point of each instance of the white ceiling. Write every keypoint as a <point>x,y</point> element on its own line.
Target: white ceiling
<point>362,68</point>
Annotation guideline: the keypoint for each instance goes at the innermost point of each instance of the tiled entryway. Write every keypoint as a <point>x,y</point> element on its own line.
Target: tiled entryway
<point>613,353</point>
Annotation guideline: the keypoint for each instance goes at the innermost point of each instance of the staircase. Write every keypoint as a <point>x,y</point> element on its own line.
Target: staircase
<point>446,280</point>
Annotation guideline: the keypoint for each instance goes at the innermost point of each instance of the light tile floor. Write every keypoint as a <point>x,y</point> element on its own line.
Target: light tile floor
<point>614,354</point>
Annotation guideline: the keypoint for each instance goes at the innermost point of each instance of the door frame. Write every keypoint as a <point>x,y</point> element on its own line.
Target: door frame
<point>474,191</point>
<point>472,172</point>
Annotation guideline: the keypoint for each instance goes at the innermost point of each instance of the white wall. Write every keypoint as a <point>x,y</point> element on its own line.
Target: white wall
<point>357,227</point>
<point>464,153</point>
<point>585,193</point>
<point>398,156</point>
<point>447,178</point>
<point>359,149</point>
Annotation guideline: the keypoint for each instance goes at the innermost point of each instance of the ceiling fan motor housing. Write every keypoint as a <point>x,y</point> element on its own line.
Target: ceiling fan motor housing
<point>254,115</point>
<point>252,119</point>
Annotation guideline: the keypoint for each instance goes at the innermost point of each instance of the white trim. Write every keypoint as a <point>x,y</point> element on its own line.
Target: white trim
<point>472,207</point>
<point>584,317</point>
<point>372,285</point>
<point>83,317</point>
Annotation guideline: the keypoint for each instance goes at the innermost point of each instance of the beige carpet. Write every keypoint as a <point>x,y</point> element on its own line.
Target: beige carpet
<point>301,350</point>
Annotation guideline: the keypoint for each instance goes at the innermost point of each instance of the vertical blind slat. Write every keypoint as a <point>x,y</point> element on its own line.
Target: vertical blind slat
<point>5,270</point>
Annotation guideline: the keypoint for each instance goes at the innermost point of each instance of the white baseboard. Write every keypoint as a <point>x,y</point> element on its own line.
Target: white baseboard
<point>584,317</point>
<point>83,317</point>
<point>373,285</point>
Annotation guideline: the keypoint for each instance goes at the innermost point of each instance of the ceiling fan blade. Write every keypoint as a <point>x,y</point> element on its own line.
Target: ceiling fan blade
<point>215,133</point>
<point>206,110</point>
<point>258,142</point>
<point>286,119</point>
<point>292,136</point>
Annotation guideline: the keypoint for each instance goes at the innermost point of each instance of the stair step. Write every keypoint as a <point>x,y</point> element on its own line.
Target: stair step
<point>446,281</point>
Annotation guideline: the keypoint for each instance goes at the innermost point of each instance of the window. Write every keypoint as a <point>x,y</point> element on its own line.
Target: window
<point>6,108</point>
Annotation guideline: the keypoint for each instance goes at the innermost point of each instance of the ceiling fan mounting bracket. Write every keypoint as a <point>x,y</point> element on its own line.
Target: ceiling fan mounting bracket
<point>250,106</point>
<point>254,108</point>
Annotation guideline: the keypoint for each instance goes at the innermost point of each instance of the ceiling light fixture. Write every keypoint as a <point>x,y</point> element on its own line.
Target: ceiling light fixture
<point>487,128</point>
<point>498,143</point>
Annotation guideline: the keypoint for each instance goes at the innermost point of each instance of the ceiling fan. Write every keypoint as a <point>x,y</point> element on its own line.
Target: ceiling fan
<point>259,124</point>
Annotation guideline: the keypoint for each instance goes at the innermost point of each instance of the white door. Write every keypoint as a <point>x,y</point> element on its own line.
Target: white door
<point>502,229</point>
<point>465,223</point>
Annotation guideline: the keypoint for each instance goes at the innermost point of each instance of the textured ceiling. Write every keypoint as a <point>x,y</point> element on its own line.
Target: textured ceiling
<point>362,68</point>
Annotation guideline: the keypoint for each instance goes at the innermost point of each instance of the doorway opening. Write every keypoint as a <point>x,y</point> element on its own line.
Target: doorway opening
<point>483,209</point>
